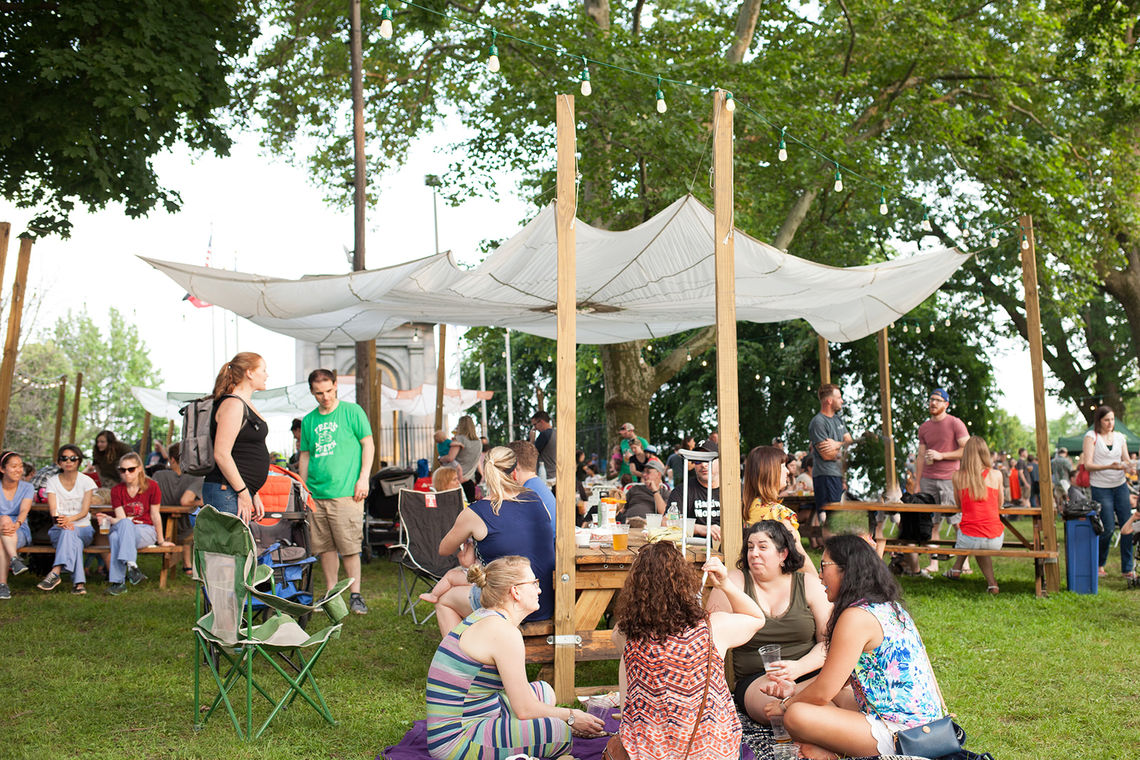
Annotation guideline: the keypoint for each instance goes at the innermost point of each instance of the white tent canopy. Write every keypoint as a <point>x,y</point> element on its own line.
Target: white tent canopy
<point>296,400</point>
<point>653,280</point>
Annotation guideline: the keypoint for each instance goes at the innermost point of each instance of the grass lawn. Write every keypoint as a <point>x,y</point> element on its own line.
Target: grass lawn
<point>99,677</point>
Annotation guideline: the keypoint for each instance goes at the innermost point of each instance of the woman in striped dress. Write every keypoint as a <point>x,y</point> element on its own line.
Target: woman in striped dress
<point>479,704</point>
<point>665,639</point>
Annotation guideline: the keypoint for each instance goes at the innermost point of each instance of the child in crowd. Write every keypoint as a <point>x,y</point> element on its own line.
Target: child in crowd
<point>442,443</point>
<point>445,479</point>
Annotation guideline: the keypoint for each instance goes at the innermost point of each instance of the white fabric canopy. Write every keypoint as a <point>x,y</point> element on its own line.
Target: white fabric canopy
<point>653,280</point>
<point>296,401</point>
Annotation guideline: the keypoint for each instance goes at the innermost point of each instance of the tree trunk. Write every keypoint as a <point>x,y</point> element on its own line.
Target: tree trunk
<point>599,11</point>
<point>745,30</point>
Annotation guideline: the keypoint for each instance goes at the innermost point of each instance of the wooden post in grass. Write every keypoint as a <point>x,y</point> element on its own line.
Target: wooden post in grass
<point>5,235</point>
<point>727,376</point>
<point>566,404</point>
<point>1036,354</point>
<point>373,411</point>
<point>59,414</point>
<point>440,375</point>
<point>824,360</point>
<point>12,341</point>
<point>169,433</point>
<point>892,484</point>
<point>75,406</point>
<point>144,442</point>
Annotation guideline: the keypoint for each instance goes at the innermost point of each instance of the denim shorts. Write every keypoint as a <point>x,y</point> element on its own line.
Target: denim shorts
<point>975,542</point>
<point>220,496</point>
<point>475,597</point>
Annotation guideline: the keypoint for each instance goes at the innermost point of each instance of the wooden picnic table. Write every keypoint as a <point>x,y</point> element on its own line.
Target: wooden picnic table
<point>1023,548</point>
<point>600,572</point>
<point>101,544</point>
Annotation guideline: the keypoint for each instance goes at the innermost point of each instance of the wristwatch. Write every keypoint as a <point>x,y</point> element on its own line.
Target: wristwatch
<point>570,718</point>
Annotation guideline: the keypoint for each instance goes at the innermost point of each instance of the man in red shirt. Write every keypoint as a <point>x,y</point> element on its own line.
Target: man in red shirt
<point>940,442</point>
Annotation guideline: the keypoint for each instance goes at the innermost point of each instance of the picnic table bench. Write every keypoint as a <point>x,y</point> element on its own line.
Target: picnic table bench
<point>101,544</point>
<point>1023,548</point>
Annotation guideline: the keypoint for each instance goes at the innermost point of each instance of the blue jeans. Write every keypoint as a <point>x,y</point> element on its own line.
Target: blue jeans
<point>69,549</point>
<point>220,496</point>
<point>828,490</point>
<point>1114,509</point>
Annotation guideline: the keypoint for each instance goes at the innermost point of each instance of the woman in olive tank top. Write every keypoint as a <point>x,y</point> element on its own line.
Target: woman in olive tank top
<point>795,605</point>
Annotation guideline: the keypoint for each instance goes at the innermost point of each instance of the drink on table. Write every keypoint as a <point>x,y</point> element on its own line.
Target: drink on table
<point>621,538</point>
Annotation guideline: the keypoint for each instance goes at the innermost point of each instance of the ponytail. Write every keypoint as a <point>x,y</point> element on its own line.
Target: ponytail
<point>497,466</point>
<point>234,371</point>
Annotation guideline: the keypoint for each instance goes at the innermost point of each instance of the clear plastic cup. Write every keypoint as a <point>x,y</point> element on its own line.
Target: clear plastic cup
<point>769,655</point>
<point>621,537</point>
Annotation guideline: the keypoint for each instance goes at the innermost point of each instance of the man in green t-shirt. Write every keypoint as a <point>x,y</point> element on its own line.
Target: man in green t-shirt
<point>336,460</point>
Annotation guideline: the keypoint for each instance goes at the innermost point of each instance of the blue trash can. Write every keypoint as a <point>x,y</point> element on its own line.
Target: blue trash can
<point>1080,556</point>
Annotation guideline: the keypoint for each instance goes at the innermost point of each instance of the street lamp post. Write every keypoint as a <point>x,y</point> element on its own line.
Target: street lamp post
<point>433,181</point>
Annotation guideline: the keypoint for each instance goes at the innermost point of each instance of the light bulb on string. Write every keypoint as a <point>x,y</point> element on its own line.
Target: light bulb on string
<point>932,324</point>
<point>838,180</point>
<point>493,54</point>
<point>905,327</point>
<point>757,375</point>
<point>947,322</point>
<point>781,342</point>
<point>688,356</point>
<point>925,226</point>
<point>729,103</point>
<point>385,22</point>
<point>918,329</point>
<point>994,239</point>
<point>882,201</point>
<point>660,95</point>
<point>782,152</point>
<point>585,78</point>
<point>1024,242</point>
<point>704,363</point>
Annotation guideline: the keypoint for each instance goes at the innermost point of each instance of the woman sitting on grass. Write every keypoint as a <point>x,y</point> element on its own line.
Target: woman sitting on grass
<point>873,645</point>
<point>479,703</point>
<point>69,502</point>
<point>134,525</point>
<point>978,492</point>
<point>15,503</point>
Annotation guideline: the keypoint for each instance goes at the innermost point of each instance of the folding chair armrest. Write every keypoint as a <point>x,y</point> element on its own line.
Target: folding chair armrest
<point>261,574</point>
<point>333,604</point>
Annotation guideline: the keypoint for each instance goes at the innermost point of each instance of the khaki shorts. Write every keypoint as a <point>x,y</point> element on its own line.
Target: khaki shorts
<point>337,525</point>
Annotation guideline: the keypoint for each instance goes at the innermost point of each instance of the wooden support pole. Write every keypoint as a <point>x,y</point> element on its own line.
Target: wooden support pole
<point>169,433</point>
<point>59,414</point>
<point>5,236</point>
<point>566,404</point>
<point>440,375</point>
<point>75,407</point>
<point>892,484</point>
<point>824,360</point>
<point>727,377</point>
<point>12,341</point>
<point>373,410</point>
<point>1036,355</point>
<point>144,442</point>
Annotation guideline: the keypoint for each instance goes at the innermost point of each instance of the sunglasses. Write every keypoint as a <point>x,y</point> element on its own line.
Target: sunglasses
<point>128,469</point>
<point>71,459</point>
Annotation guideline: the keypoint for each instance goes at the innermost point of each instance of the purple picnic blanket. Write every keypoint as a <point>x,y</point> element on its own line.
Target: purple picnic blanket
<point>414,745</point>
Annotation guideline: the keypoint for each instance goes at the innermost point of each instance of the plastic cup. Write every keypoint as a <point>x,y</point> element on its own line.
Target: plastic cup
<point>786,749</point>
<point>769,655</point>
<point>621,538</point>
<point>653,521</point>
<point>104,526</point>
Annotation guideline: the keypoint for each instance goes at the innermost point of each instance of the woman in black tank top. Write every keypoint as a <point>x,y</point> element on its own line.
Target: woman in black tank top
<point>241,459</point>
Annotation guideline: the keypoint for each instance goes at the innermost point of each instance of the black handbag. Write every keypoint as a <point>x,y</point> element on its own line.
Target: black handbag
<point>937,739</point>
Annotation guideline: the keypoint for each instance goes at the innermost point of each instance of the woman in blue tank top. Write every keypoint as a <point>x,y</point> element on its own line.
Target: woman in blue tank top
<point>511,520</point>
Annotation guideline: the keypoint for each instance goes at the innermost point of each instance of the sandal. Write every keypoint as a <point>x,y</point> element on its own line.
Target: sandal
<point>952,574</point>
<point>79,589</point>
<point>992,589</point>
<point>188,571</point>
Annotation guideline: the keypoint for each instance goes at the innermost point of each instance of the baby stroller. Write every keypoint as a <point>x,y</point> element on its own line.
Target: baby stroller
<point>282,539</point>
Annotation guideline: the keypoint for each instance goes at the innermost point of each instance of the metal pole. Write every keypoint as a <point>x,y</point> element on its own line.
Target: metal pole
<point>483,402</point>
<point>510,393</point>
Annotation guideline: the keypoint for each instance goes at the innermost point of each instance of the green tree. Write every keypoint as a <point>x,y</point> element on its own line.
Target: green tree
<point>93,90</point>
<point>32,414</point>
<point>111,362</point>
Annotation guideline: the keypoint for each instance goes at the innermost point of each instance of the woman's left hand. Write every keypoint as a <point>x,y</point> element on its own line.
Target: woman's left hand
<point>780,688</point>
<point>718,573</point>
<point>774,709</point>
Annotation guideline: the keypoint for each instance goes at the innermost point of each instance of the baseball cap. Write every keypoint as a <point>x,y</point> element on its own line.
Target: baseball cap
<point>941,392</point>
<point>656,464</point>
<point>627,426</point>
<point>708,445</point>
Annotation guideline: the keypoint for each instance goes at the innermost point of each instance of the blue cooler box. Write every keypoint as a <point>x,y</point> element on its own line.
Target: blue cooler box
<point>1081,546</point>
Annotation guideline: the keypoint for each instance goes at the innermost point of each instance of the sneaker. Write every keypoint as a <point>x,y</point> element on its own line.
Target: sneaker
<point>135,576</point>
<point>117,588</point>
<point>50,581</point>
<point>18,566</point>
<point>4,592</point>
<point>356,604</point>
<point>79,589</point>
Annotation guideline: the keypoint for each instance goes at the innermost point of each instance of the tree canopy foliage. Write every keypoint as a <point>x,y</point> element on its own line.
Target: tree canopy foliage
<point>92,91</point>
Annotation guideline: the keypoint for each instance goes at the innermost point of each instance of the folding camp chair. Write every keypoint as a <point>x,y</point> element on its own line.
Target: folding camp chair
<point>425,518</point>
<point>228,641</point>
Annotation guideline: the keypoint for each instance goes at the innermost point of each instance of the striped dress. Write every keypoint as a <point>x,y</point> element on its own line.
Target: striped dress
<point>664,684</point>
<point>468,716</point>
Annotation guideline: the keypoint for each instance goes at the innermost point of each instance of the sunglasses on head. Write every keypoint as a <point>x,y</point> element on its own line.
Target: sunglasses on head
<point>128,469</point>
<point>70,459</point>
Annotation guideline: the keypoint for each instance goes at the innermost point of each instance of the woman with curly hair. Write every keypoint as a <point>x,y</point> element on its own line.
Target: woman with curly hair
<point>672,648</point>
<point>510,520</point>
<point>872,643</point>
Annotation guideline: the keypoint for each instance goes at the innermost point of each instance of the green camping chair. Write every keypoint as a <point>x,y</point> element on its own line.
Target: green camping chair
<point>227,641</point>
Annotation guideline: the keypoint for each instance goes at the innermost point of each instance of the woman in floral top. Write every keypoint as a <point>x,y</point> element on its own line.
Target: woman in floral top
<point>874,646</point>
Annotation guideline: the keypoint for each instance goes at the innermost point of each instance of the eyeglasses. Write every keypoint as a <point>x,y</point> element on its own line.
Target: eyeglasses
<point>71,459</point>
<point>525,583</point>
<point>825,563</point>
<point>128,469</point>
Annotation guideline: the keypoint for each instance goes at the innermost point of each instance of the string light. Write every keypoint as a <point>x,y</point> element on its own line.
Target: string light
<point>781,342</point>
<point>688,356</point>
<point>882,201</point>
<point>994,239</point>
<point>729,103</point>
<point>757,375</point>
<point>385,22</point>
<point>585,78</point>
<point>905,327</point>
<point>660,95</point>
<point>704,363</point>
<point>947,322</point>
<point>925,226</point>
<point>932,326</point>
<point>782,153</point>
<point>838,179</point>
<point>1024,242</point>
<point>493,54</point>
<point>918,329</point>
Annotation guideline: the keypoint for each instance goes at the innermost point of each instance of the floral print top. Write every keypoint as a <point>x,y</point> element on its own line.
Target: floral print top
<point>896,678</point>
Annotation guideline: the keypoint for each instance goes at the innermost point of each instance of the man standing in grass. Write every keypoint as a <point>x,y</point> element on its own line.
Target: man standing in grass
<point>336,460</point>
